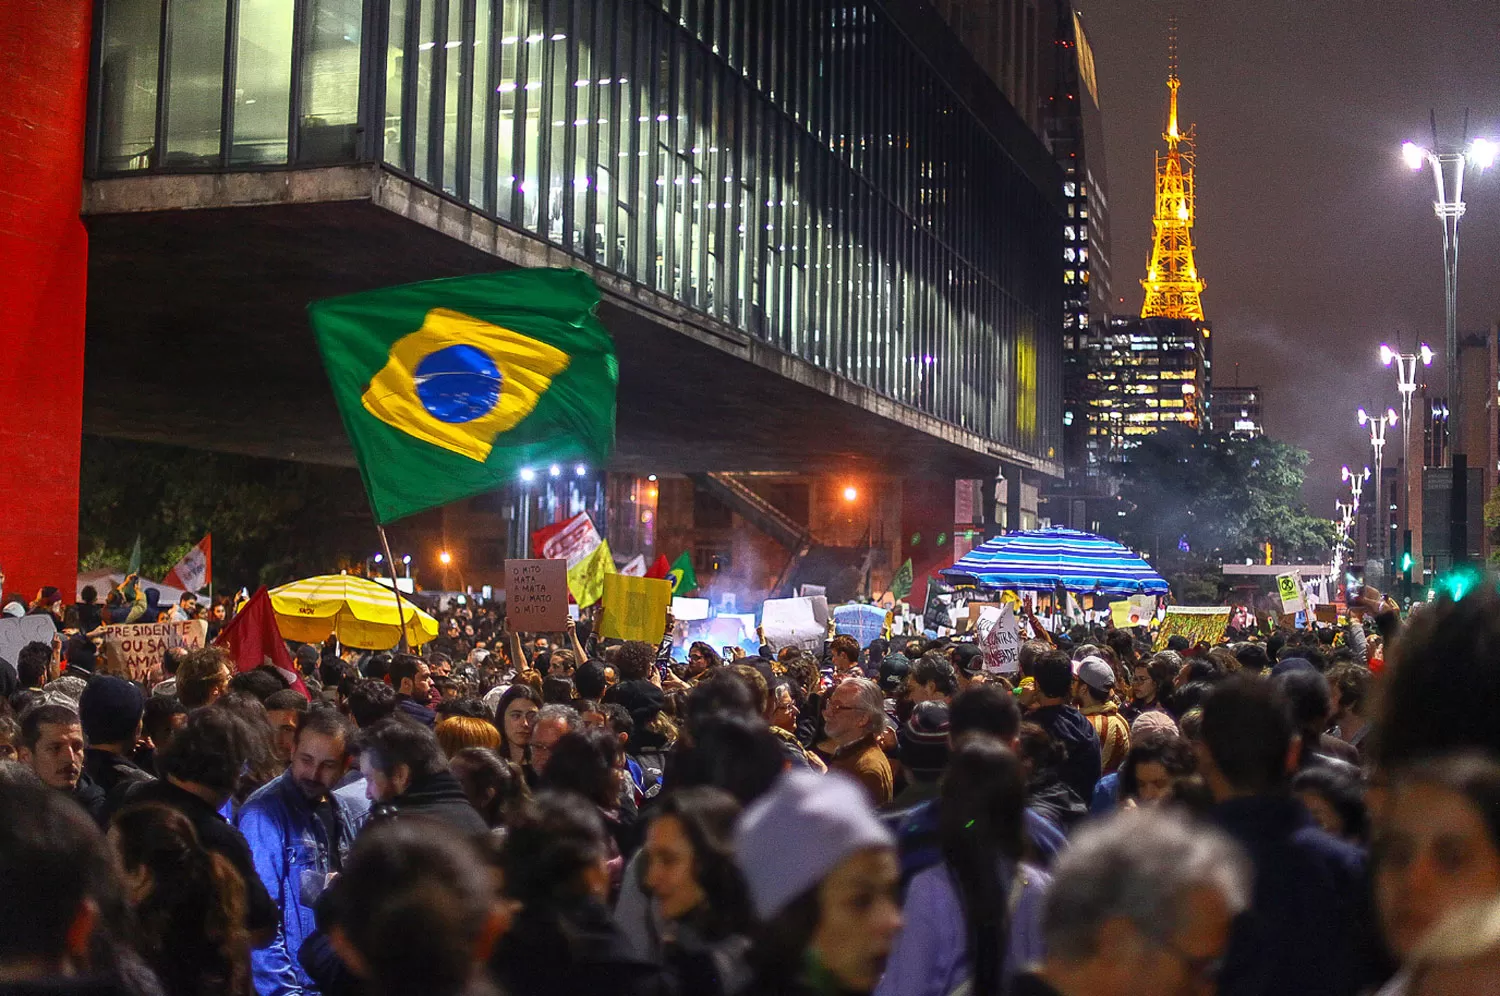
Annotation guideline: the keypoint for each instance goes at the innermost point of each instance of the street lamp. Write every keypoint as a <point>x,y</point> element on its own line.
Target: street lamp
<point>1378,424</point>
<point>1448,169</point>
<point>1406,383</point>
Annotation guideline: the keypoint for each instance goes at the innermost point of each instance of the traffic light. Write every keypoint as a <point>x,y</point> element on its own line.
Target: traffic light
<point>1406,562</point>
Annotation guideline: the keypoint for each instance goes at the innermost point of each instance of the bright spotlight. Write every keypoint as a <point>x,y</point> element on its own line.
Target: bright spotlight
<point>1427,354</point>
<point>851,493</point>
<point>1414,154</point>
<point>1363,416</point>
<point>1387,354</point>
<point>406,559</point>
<point>555,470</point>
<point>581,470</point>
<point>445,558</point>
<point>651,477</point>
<point>527,475</point>
<point>1483,152</point>
<point>1390,416</point>
<point>379,558</point>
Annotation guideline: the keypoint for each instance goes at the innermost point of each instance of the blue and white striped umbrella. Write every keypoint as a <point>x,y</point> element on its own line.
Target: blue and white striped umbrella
<point>1041,560</point>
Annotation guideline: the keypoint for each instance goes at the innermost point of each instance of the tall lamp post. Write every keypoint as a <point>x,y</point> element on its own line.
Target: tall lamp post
<point>1356,488</point>
<point>1448,167</point>
<point>1406,383</point>
<point>1378,424</point>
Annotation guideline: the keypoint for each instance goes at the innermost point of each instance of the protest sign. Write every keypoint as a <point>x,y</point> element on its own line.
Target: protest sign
<point>1290,589</point>
<point>16,633</point>
<point>1136,610</point>
<point>1197,623</point>
<point>812,590</point>
<point>937,613</point>
<point>536,595</point>
<point>689,609</point>
<point>635,608</point>
<point>795,622</point>
<point>863,622</point>
<point>975,608</point>
<point>1327,614</point>
<point>134,650</point>
<point>999,637</point>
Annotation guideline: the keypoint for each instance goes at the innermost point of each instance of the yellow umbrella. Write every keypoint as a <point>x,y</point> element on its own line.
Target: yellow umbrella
<point>359,612</point>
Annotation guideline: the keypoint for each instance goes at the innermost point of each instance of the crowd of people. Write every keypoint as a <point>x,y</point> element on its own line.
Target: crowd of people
<point>563,815</point>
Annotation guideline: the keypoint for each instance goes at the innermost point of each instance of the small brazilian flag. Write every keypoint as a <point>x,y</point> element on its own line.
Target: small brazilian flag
<point>449,387</point>
<point>684,579</point>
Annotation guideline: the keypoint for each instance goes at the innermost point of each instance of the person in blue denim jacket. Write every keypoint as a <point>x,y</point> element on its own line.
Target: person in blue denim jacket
<point>300,832</point>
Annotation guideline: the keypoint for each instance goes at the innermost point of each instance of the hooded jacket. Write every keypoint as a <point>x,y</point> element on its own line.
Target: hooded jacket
<point>1076,734</point>
<point>293,858</point>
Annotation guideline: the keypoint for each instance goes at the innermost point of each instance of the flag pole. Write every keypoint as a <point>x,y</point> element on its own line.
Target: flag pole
<point>390,565</point>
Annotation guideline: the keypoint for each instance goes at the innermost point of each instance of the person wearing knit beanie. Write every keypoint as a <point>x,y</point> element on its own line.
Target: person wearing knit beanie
<point>822,875</point>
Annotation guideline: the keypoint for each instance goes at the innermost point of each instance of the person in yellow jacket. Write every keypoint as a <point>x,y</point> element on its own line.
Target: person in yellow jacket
<point>1094,680</point>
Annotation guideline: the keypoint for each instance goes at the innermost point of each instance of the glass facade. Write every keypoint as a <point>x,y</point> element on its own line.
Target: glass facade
<point>796,170</point>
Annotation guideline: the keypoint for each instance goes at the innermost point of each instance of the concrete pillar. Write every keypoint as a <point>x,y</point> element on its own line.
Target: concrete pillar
<point>44,45</point>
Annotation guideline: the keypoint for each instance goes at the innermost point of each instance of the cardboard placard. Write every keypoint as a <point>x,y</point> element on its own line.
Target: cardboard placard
<point>16,633</point>
<point>976,608</point>
<point>689,609</point>
<point>863,622</point>
<point>795,622</point>
<point>999,637</point>
<point>134,650</point>
<point>536,595</point>
<point>635,608</point>
<point>1289,587</point>
<point>1327,614</point>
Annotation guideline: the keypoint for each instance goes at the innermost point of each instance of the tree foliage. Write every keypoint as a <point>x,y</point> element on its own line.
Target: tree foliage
<point>1220,498</point>
<point>272,521</point>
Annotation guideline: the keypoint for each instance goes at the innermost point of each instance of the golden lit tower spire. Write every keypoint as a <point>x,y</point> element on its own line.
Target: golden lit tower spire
<point>1172,284</point>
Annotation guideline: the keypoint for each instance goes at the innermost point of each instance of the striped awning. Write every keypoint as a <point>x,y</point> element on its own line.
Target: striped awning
<point>1041,560</point>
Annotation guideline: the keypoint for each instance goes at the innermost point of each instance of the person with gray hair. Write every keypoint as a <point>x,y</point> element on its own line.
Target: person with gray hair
<point>853,718</point>
<point>553,722</point>
<point>1140,904</point>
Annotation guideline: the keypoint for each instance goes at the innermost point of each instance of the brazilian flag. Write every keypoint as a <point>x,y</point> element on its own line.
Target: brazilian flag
<point>448,388</point>
<point>684,579</point>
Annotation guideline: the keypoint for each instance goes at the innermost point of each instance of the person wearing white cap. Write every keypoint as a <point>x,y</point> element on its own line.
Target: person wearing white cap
<point>822,875</point>
<point>1092,683</point>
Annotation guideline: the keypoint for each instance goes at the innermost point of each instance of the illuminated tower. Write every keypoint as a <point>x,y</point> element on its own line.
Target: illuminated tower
<point>1172,284</point>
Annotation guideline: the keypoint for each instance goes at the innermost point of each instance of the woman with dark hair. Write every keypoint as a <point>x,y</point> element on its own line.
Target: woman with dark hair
<point>1336,799</point>
<point>189,903</point>
<point>1156,761</point>
<point>702,660</point>
<point>564,943</point>
<point>976,917</point>
<point>592,764</point>
<point>700,895</point>
<point>492,783</point>
<point>1151,685</point>
<point>515,716</point>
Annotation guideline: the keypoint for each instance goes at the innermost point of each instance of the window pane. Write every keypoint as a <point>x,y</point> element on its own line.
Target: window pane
<point>127,84</point>
<point>422,165</point>
<point>481,87</point>
<point>454,85</point>
<point>263,81</point>
<point>395,75</point>
<point>330,82</point>
<point>195,89</point>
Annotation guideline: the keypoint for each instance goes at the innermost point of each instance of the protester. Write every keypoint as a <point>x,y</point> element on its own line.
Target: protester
<point>1308,900</point>
<point>826,909</point>
<point>52,744</point>
<point>411,677</point>
<point>110,713</point>
<point>454,733</point>
<point>1080,764</point>
<point>203,676</point>
<point>975,918</point>
<point>698,891</point>
<point>284,709</point>
<point>407,777</point>
<point>493,785</point>
<point>189,903</point>
<point>852,719</point>
<point>1094,683</point>
<point>416,914</point>
<point>299,832</point>
<point>564,943</point>
<point>1140,905</point>
<point>553,722</point>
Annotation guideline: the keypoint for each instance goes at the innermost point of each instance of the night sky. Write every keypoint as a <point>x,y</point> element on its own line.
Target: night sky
<point>1315,240</point>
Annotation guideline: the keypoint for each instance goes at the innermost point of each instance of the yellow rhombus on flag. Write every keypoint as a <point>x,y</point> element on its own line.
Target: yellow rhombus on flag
<point>586,578</point>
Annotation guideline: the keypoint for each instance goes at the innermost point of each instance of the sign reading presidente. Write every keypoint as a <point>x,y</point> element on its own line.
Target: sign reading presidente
<point>134,650</point>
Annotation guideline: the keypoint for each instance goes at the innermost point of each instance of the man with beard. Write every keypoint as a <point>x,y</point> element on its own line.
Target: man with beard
<point>300,832</point>
<point>52,745</point>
